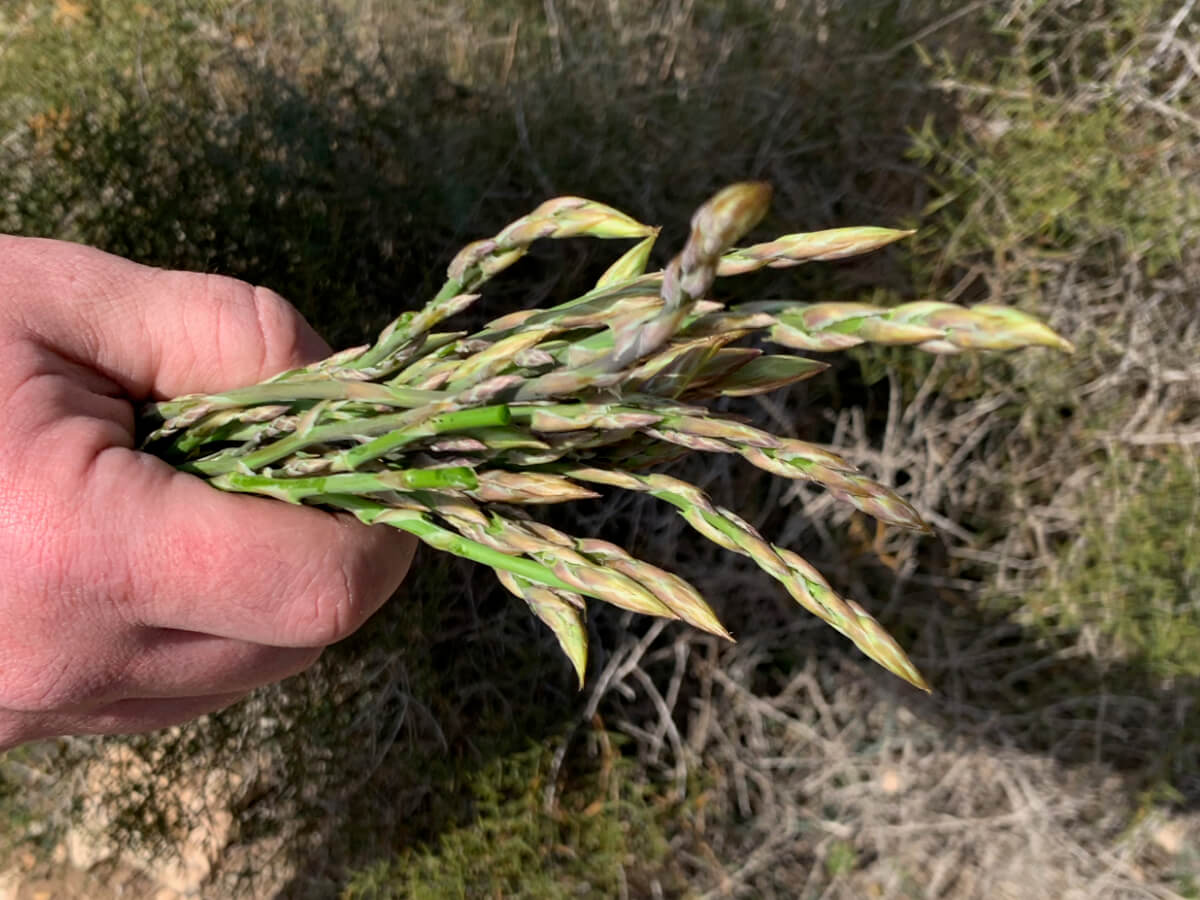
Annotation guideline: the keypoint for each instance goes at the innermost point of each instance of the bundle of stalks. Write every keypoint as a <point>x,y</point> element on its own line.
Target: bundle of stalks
<point>449,435</point>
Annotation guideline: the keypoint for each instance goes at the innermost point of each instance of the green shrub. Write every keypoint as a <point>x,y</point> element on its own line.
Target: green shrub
<point>1133,575</point>
<point>605,830</point>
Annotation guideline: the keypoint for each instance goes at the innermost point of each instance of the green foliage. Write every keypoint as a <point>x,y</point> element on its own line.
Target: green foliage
<point>1187,884</point>
<point>15,814</point>
<point>1135,572</point>
<point>1051,161</point>
<point>340,152</point>
<point>263,141</point>
<point>841,859</point>
<point>1059,178</point>
<point>605,830</point>
<point>27,822</point>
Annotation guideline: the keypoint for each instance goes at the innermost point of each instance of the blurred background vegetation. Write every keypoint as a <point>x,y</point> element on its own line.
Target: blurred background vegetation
<point>341,151</point>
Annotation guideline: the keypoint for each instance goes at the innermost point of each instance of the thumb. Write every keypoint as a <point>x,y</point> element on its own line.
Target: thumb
<point>172,551</point>
<point>155,333</point>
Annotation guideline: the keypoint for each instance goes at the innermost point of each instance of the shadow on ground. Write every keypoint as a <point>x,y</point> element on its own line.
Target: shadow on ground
<point>348,187</point>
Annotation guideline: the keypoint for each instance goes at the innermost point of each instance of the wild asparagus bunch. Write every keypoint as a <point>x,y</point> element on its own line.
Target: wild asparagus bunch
<point>449,435</point>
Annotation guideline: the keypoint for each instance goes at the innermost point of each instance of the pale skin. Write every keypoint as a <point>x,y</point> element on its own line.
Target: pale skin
<point>132,596</point>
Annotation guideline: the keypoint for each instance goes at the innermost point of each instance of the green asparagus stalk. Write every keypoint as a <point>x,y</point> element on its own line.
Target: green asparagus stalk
<point>453,437</point>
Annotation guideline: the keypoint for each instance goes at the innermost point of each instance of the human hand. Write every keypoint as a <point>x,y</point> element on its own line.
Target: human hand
<point>133,596</point>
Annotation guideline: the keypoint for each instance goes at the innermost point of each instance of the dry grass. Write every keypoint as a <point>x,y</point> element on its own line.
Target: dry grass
<point>1050,159</point>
